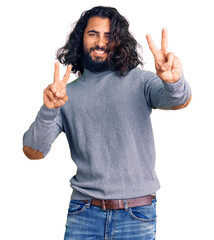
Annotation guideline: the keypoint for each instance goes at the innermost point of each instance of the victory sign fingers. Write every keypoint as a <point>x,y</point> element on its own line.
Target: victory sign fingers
<point>168,66</point>
<point>55,94</point>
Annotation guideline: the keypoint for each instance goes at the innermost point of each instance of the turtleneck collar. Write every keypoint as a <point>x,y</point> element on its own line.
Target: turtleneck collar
<point>94,75</point>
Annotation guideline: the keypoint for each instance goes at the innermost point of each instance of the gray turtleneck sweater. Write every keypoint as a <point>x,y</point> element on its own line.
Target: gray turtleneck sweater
<point>107,124</point>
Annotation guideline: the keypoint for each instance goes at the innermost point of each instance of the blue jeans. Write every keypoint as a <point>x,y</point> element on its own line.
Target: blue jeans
<point>88,222</point>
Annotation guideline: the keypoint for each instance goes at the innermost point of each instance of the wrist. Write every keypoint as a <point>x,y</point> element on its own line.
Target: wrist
<point>174,86</point>
<point>46,113</point>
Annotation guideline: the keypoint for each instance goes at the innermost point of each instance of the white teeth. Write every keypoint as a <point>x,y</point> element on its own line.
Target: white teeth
<point>99,51</point>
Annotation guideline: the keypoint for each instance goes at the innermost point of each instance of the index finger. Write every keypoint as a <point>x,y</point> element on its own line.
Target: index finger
<point>56,72</point>
<point>67,74</point>
<point>152,45</point>
<point>164,41</point>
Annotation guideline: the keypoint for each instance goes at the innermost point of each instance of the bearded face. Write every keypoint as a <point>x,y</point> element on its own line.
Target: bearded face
<point>95,40</point>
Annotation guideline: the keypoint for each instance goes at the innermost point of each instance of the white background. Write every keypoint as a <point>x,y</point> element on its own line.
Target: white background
<point>34,195</point>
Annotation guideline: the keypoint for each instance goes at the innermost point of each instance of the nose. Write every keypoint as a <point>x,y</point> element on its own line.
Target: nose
<point>101,42</point>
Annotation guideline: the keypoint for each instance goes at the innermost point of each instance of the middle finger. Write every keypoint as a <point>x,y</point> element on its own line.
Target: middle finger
<point>164,41</point>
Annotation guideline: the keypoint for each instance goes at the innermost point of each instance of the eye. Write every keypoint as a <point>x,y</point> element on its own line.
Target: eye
<point>108,37</point>
<point>92,34</point>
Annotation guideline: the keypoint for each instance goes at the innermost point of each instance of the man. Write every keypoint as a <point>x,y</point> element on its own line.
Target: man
<point>105,115</point>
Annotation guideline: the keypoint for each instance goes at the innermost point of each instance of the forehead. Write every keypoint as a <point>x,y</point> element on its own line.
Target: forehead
<point>99,24</point>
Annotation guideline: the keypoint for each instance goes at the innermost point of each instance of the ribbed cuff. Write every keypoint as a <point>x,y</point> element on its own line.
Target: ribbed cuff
<point>174,87</point>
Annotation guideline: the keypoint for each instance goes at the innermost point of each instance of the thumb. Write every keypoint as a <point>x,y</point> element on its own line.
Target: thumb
<point>60,94</point>
<point>165,67</point>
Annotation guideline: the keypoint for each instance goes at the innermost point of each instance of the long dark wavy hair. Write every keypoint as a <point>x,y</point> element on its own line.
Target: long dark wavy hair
<point>122,57</point>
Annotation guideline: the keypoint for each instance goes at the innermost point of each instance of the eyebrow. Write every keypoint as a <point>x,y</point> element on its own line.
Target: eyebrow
<point>98,32</point>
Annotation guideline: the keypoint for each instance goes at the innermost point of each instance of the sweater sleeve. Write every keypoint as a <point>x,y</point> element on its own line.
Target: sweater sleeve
<point>160,94</point>
<point>42,133</point>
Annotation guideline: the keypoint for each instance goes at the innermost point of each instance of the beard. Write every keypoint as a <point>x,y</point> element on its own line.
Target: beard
<point>97,65</point>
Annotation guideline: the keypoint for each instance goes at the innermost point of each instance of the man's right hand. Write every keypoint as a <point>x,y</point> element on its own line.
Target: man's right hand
<point>54,95</point>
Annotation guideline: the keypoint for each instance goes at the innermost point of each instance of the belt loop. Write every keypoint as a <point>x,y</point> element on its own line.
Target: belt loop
<point>103,204</point>
<point>88,204</point>
<point>125,205</point>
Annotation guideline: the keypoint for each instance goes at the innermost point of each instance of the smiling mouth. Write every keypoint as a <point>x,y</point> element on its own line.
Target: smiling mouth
<point>99,51</point>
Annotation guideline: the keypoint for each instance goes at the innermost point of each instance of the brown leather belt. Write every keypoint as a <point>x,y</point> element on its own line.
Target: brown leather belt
<point>119,204</point>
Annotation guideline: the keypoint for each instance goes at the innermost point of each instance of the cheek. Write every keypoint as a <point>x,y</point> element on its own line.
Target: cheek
<point>88,43</point>
<point>111,46</point>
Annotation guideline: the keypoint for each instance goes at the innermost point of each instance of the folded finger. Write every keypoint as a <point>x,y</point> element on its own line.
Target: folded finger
<point>167,66</point>
<point>49,94</point>
<point>65,99</point>
<point>61,102</point>
<point>176,64</point>
<point>176,61</point>
<point>170,59</point>
<point>60,94</point>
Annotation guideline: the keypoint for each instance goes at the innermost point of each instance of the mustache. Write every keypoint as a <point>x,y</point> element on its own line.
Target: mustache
<point>98,48</point>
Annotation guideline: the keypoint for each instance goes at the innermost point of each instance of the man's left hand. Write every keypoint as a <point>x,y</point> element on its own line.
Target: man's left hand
<point>167,65</point>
